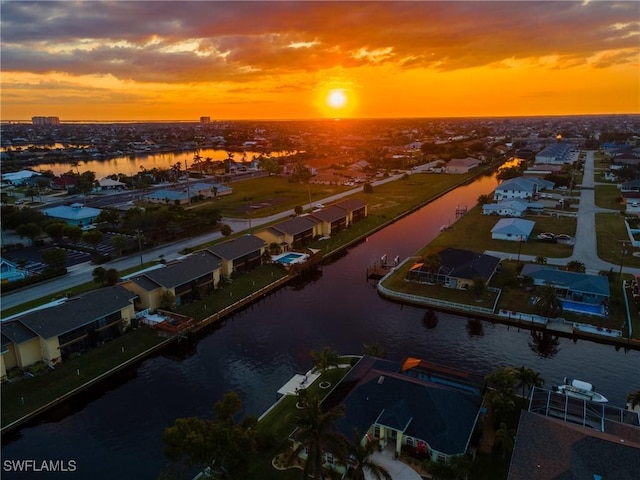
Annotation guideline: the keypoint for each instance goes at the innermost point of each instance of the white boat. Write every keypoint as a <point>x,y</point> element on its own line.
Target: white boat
<point>582,390</point>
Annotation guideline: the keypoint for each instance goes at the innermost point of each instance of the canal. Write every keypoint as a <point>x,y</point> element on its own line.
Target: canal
<point>116,430</point>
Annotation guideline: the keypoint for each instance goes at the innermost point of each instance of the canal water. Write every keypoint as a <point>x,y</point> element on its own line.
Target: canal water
<point>116,430</point>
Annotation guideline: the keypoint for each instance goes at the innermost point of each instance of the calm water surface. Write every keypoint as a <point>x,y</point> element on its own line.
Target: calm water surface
<point>116,432</point>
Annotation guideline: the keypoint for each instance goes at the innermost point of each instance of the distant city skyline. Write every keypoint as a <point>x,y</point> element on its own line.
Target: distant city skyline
<point>174,60</point>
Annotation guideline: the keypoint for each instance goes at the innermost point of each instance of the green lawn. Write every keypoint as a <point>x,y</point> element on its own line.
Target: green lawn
<point>473,232</point>
<point>72,373</point>
<point>607,196</point>
<point>611,232</point>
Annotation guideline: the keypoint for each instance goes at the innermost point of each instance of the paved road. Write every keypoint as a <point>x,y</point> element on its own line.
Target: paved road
<point>82,273</point>
<point>585,249</point>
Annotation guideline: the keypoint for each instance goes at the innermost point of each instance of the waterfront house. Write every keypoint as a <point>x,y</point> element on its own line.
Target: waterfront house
<point>421,408</point>
<point>356,209</point>
<point>507,208</point>
<point>569,438</point>
<point>293,233</point>
<point>462,165</point>
<point>331,219</point>
<point>106,184</point>
<point>457,269</point>
<point>575,286</point>
<point>512,229</point>
<point>53,333</point>
<point>184,278</point>
<point>19,178</point>
<point>240,254</point>
<point>76,214</point>
<point>521,187</point>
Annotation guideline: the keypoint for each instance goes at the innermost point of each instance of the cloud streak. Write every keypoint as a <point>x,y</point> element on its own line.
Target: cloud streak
<point>204,41</point>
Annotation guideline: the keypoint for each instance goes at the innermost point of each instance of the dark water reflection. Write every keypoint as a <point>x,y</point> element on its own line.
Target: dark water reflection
<point>118,431</point>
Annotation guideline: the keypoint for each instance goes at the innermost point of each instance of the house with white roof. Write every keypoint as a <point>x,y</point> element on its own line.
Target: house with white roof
<point>462,165</point>
<point>512,229</point>
<point>512,208</point>
<point>18,178</point>
<point>520,187</point>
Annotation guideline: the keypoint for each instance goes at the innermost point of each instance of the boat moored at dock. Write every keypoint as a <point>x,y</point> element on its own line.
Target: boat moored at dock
<point>579,389</point>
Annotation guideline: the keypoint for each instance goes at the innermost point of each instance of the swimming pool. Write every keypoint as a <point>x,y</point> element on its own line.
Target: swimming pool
<point>583,308</point>
<point>291,257</point>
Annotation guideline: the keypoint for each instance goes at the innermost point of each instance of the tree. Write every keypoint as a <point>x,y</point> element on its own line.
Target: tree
<point>367,187</point>
<point>298,210</point>
<point>548,303</point>
<point>501,403</point>
<point>527,378</point>
<point>634,399</point>
<point>221,442</point>
<point>374,350</point>
<point>360,452</point>
<point>325,359</point>
<point>168,301</point>
<point>29,230</point>
<point>73,233</point>
<point>274,248</point>
<point>575,266</point>
<point>505,437</point>
<point>93,237</point>
<point>225,230</point>
<point>31,192</point>
<point>55,258</point>
<point>540,260</point>
<point>315,434</point>
<point>112,277</point>
<point>55,230</point>
<point>484,199</point>
<point>85,183</point>
<point>100,275</point>
<point>119,242</point>
<point>432,263</point>
<point>109,215</point>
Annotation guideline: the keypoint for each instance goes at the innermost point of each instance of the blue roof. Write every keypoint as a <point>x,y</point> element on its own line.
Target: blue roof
<point>574,281</point>
<point>514,226</point>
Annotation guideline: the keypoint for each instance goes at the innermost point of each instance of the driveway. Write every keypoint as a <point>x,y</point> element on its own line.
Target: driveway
<point>397,469</point>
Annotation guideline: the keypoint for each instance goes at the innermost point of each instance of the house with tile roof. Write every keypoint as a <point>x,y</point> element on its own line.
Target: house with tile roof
<point>240,254</point>
<point>53,333</point>
<point>512,229</point>
<point>412,406</point>
<point>184,278</point>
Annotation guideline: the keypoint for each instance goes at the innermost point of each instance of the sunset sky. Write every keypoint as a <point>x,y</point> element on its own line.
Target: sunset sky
<point>179,60</point>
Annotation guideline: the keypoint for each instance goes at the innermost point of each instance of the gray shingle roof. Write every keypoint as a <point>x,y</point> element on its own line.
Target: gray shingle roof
<point>441,415</point>
<point>182,271</point>
<point>467,264</point>
<point>330,214</point>
<point>296,225</point>
<point>548,448</point>
<point>351,204</point>
<point>77,311</point>
<point>16,332</point>
<point>237,247</point>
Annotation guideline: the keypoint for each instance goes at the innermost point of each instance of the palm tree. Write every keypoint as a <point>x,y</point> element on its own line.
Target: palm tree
<point>634,399</point>
<point>505,437</point>
<point>540,260</point>
<point>374,350</point>
<point>575,266</point>
<point>548,302</point>
<point>315,435</point>
<point>325,359</point>
<point>527,378</point>
<point>359,452</point>
<point>432,263</point>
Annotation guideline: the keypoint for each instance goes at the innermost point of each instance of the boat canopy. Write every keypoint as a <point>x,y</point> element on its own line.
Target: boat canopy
<point>582,385</point>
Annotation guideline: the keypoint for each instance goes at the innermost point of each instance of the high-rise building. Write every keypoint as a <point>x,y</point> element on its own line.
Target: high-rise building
<point>45,120</point>
<point>205,119</point>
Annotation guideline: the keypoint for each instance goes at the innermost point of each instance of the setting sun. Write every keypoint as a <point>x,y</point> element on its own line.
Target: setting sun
<point>337,98</point>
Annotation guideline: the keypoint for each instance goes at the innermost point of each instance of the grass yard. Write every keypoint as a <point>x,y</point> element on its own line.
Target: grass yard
<point>243,286</point>
<point>264,196</point>
<point>607,196</point>
<point>473,232</point>
<point>43,389</point>
<point>611,232</point>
